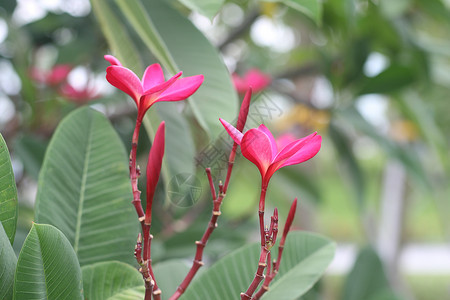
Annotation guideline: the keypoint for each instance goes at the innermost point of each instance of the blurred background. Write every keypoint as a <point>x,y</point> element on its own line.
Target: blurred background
<point>371,77</point>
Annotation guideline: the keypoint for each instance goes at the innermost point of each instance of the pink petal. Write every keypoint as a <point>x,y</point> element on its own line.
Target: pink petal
<point>125,80</point>
<point>243,112</point>
<point>285,139</point>
<point>292,148</point>
<point>239,83</point>
<point>257,79</point>
<point>307,152</point>
<point>162,86</point>
<point>153,76</point>
<point>257,148</point>
<point>235,134</point>
<point>181,89</point>
<point>112,60</point>
<point>273,143</point>
<point>155,158</point>
<point>295,153</point>
<point>58,74</point>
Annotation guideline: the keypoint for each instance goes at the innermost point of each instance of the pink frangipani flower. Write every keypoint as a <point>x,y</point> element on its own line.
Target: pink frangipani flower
<point>259,146</point>
<point>52,77</point>
<point>254,78</point>
<point>153,87</point>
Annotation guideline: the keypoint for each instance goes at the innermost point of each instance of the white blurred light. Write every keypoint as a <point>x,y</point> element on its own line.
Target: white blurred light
<point>266,32</point>
<point>375,64</point>
<point>76,8</point>
<point>373,107</point>
<point>3,30</point>
<point>322,93</point>
<point>78,77</point>
<point>232,14</point>
<point>10,82</point>
<point>28,11</point>
<point>7,109</point>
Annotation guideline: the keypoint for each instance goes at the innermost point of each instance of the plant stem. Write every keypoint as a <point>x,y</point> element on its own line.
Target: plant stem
<point>146,268</point>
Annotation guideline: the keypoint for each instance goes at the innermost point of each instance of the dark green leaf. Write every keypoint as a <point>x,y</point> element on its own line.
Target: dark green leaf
<point>8,262</point>
<point>84,189</point>
<point>47,267</point>
<point>31,151</point>
<point>392,79</point>
<point>311,8</point>
<point>8,193</point>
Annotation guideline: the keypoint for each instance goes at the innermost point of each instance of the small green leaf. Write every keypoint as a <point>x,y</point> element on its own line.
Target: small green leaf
<point>84,189</point>
<point>8,262</point>
<point>47,267</point>
<point>304,260</point>
<point>208,8</point>
<point>8,193</point>
<point>109,280</point>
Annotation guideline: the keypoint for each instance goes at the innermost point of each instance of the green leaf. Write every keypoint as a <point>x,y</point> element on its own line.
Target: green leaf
<point>208,8</point>
<point>392,79</point>
<point>178,136</point>
<point>169,274</point>
<point>192,53</point>
<point>109,280</point>
<point>47,267</point>
<point>304,260</point>
<point>84,189</point>
<point>116,35</point>
<point>311,8</point>
<point>8,193</point>
<point>8,262</point>
<point>367,278</point>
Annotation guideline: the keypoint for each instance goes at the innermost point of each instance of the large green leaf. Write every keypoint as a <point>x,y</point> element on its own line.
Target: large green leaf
<point>192,53</point>
<point>8,263</point>
<point>116,35</point>
<point>84,189</point>
<point>109,280</point>
<point>392,79</point>
<point>208,8</point>
<point>305,259</point>
<point>8,193</point>
<point>47,267</point>
<point>311,8</point>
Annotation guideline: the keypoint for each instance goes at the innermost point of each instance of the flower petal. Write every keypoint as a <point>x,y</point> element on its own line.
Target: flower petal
<point>155,158</point>
<point>273,143</point>
<point>257,148</point>
<point>292,148</point>
<point>307,152</point>
<point>243,112</point>
<point>112,60</point>
<point>125,80</point>
<point>181,89</point>
<point>162,86</point>
<point>153,76</point>
<point>235,134</point>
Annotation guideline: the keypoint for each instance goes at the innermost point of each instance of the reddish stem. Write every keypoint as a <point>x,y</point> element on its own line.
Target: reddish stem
<point>146,268</point>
